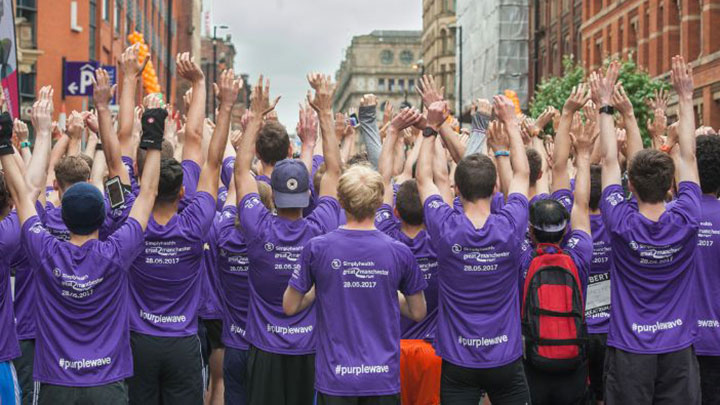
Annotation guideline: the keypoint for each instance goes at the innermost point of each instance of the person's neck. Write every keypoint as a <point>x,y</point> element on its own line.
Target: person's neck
<point>164,211</point>
<point>267,170</point>
<point>292,214</point>
<point>79,240</point>
<point>651,211</point>
<point>367,224</point>
<point>477,211</point>
<point>595,211</point>
<point>411,231</point>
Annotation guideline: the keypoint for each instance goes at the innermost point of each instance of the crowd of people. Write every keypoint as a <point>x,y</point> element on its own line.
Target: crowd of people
<point>163,258</point>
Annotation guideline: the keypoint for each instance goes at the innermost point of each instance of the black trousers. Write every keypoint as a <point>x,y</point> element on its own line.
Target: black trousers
<point>596,363</point>
<point>504,385</point>
<point>546,388</point>
<point>280,379</point>
<point>323,399</point>
<point>710,379</point>
<point>167,370</point>
<point>24,368</point>
<point>110,394</point>
<point>668,378</point>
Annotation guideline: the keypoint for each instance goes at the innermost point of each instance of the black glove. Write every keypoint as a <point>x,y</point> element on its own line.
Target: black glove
<point>6,131</point>
<point>153,128</point>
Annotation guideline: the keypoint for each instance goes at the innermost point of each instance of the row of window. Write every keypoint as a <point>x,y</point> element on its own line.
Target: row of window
<point>395,85</point>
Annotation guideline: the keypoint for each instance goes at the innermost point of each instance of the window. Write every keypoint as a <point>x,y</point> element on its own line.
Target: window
<point>444,41</point>
<point>411,85</point>
<point>391,85</point>
<point>386,57</point>
<point>92,26</point>
<point>381,84</point>
<point>116,16</point>
<point>401,84</point>
<point>406,57</point>
<point>27,85</point>
<point>106,10</point>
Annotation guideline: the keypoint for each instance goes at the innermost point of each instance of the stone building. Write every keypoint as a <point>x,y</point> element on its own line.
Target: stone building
<point>382,63</point>
<point>438,44</point>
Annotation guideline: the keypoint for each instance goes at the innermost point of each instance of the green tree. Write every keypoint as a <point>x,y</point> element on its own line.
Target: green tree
<point>638,85</point>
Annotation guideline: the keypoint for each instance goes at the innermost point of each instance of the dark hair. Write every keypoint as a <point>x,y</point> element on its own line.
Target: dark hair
<point>273,143</point>
<point>475,177</point>
<point>171,180</point>
<point>408,203</point>
<point>167,152</point>
<point>70,170</point>
<point>535,162</point>
<point>595,186</point>
<point>548,212</point>
<point>5,198</point>
<point>358,158</point>
<point>651,174</point>
<point>708,161</point>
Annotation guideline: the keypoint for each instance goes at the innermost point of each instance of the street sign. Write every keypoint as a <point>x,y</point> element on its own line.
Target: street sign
<point>77,80</point>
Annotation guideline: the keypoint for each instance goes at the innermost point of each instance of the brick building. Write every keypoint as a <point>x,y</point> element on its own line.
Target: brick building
<point>81,30</point>
<point>652,32</point>
<point>189,33</point>
<point>554,27</point>
<point>438,44</point>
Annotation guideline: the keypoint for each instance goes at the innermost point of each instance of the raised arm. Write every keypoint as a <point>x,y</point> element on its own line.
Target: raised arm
<point>131,68</point>
<point>103,93</point>
<point>15,182</point>
<point>404,119</point>
<point>259,107</point>
<point>368,127</point>
<point>682,79</point>
<point>189,70</point>
<point>441,174</point>
<point>560,176</point>
<point>622,103</point>
<point>75,129</point>
<point>322,104</point>
<point>42,122</point>
<point>505,111</point>
<point>307,128</point>
<point>603,87</point>
<point>153,130</point>
<point>583,142</point>
<point>436,115</point>
<point>227,90</point>
<point>499,144</point>
<point>20,131</point>
<point>480,121</point>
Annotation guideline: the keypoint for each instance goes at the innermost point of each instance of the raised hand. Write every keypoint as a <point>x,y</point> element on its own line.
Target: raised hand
<point>75,125</point>
<point>497,137</point>
<point>91,121</point>
<point>621,136</point>
<point>549,145</point>
<point>388,113</point>
<point>578,98</point>
<point>504,109</point>
<point>621,101</point>
<point>584,140</point>
<point>590,112</point>
<point>660,101</point>
<point>260,104</point>
<point>603,85</point>
<point>429,90</point>
<point>307,125</point>
<point>681,76</point>
<point>103,90</point>
<point>324,91</point>
<point>368,100</point>
<point>545,117</point>
<point>437,114</point>
<point>187,68</point>
<point>228,88</point>
<point>405,119</point>
<point>483,107</point>
<point>20,129</point>
<point>658,124</point>
<point>130,64</point>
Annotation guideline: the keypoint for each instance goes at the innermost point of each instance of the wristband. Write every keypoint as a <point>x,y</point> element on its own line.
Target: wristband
<point>25,144</point>
<point>153,128</point>
<point>502,153</point>
<point>607,109</point>
<point>98,146</point>
<point>666,148</point>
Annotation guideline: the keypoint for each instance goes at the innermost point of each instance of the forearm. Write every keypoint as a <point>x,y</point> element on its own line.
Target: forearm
<point>26,155</point>
<point>194,124</point>
<point>579,218</point>
<point>97,173</point>
<point>634,139</point>
<point>306,154</point>
<point>58,151</point>
<point>126,118</point>
<point>369,131</point>
<point>74,147</point>
<point>561,154</point>
<point>505,173</point>
<point>148,188</point>
<point>452,142</point>
<point>441,175</point>
<point>478,136</point>
<point>412,157</point>
<point>399,161</point>
<point>90,145</point>
<point>17,187</point>
<point>686,141</point>
<point>111,146</point>
<point>244,181</point>
<point>38,168</point>
<point>611,169</point>
<point>387,155</point>
<point>331,151</point>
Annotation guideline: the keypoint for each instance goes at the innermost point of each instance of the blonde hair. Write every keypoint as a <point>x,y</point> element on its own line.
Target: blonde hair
<point>360,191</point>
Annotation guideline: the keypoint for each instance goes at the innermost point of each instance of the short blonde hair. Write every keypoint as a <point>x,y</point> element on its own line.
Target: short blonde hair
<point>361,191</point>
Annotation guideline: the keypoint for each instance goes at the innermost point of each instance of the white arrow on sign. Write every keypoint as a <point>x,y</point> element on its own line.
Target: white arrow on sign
<point>73,88</point>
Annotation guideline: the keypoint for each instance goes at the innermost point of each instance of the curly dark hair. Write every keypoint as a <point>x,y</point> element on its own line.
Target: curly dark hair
<point>708,161</point>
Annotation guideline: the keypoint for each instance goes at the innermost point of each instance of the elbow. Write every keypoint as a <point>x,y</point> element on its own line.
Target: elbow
<point>419,314</point>
<point>290,307</point>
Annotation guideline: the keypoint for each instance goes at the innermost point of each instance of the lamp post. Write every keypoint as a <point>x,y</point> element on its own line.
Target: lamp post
<point>420,65</point>
<point>214,65</point>
<point>458,39</point>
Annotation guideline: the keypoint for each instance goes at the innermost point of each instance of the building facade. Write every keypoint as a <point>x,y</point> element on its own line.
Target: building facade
<point>438,44</point>
<point>189,33</point>
<point>382,63</point>
<point>651,32</point>
<point>492,49</point>
<point>91,30</point>
<point>554,28</point>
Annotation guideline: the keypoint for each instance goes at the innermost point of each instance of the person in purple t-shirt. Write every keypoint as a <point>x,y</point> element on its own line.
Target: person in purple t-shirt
<point>281,360</point>
<point>83,350</point>
<point>165,279</point>
<point>707,345</point>
<point>478,334</point>
<point>356,294</point>
<point>650,357</point>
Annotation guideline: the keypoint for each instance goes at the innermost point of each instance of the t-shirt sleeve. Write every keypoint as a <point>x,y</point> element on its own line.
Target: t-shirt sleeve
<point>412,280</point>
<point>191,177</point>
<point>9,235</point>
<point>198,216</point>
<point>497,202</point>
<point>564,197</point>
<point>687,203</point>
<point>516,213</point>
<point>35,238</point>
<point>317,161</point>
<point>252,215</point>
<point>116,216</point>
<point>437,213</point>
<point>301,278</point>
<point>385,220</point>
<point>614,207</point>
<point>226,172</point>
<point>325,215</point>
<point>127,242</point>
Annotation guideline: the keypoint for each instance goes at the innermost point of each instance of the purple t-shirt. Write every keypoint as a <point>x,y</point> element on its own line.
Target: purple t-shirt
<point>708,278</point>
<point>191,177</point>
<point>653,272</point>
<point>231,277</point>
<point>274,246</point>
<point>479,311</point>
<point>83,338</point>
<point>9,243</point>
<point>496,203</point>
<point>209,301</point>
<point>424,253</point>
<point>358,316</point>
<point>597,302</point>
<point>165,279</point>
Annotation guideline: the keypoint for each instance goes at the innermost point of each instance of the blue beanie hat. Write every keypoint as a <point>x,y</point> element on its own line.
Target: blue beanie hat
<point>83,208</point>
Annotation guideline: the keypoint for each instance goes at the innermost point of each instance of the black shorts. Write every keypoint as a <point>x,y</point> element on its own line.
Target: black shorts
<point>109,394</point>
<point>24,368</point>
<point>670,378</point>
<point>505,385</point>
<point>597,342</point>
<point>213,333</point>
<point>569,388</point>
<point>323,399</point>
<point>710,379</point>
<point>280,378</point>
<point>167,370</point>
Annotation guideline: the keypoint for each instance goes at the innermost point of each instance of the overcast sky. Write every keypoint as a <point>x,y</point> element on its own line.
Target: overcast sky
<point>286,39</point>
